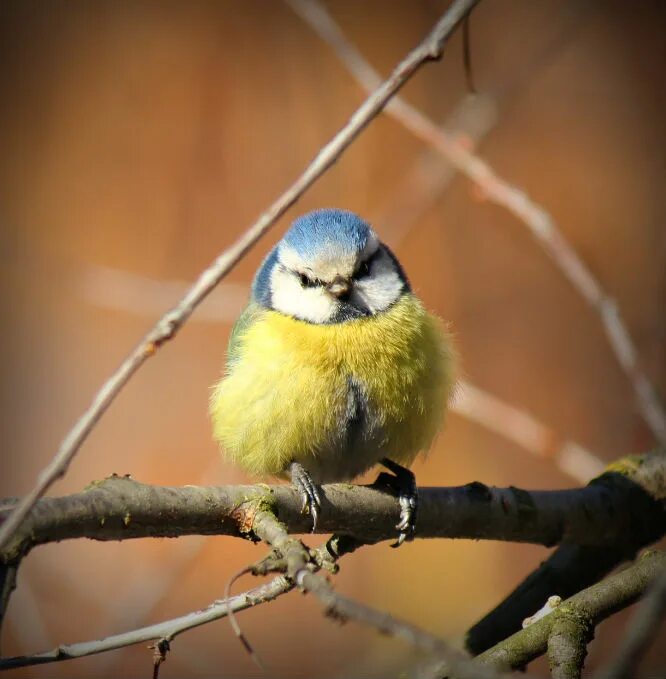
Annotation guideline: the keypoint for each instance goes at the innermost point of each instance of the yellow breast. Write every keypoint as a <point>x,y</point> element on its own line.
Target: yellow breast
<point>287,396</point>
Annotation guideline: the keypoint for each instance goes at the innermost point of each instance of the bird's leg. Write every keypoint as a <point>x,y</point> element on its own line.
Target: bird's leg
<point>311,502</point>
<point>403,483</point>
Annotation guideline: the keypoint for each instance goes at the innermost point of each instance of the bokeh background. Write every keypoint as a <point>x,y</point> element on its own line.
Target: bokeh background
<point>140,138</point>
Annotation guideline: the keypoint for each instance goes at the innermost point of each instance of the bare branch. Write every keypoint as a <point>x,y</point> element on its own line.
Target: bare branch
<point>428,177</point>
<point>568,570</point>
<point>593,604</point>
<point>168,629</point>
<point>324,556</point>
<point>539,222</point>
<point>614,509</point>
<point>571,567</point>
<point>587,608</point>
<point>234,623</point>
<point>120,508</point>
<point>429,49</point>
<point>567,645</point>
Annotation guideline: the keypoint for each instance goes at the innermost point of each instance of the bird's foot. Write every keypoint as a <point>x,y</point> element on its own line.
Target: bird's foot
<point>403,483</point>
<point>310,499</point>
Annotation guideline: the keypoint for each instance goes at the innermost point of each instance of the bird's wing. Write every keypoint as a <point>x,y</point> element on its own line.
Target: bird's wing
<point>249,315</point>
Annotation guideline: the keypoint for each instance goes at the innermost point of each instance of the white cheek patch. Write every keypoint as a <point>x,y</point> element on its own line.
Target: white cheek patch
<point>314,304</point>
<point>382,287</point>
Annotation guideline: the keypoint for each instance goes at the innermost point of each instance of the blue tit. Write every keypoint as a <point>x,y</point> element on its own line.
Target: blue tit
<point>334,366</point>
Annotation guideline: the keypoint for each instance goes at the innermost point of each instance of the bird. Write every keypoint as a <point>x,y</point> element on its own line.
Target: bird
<point>334,366</point>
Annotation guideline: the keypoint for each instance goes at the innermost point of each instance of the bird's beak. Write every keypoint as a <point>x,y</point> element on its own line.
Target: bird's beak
<point>339,287</point>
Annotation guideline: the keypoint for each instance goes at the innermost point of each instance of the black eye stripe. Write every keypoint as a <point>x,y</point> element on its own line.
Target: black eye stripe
<point>363,269</point>
<point>307,282</point>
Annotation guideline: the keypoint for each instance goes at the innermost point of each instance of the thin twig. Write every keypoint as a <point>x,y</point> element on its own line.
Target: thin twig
<point>431,48</point>
<point>168,629</point>
<point>428,177</point>
<point>234,623</point>
<point>27,624</point>
<point>539,222</point>
<point>471,121</point>
<point>141,597</point>
<point>325,556</point>
<point>160,650</point>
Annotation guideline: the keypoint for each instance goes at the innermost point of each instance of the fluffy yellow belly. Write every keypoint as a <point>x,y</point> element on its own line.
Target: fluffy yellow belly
<point>335,398</point>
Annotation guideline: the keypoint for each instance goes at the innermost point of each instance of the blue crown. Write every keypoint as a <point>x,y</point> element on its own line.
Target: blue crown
<point>325,230</point>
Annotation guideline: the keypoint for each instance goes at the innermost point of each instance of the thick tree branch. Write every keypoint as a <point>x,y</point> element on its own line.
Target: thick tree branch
<point>431,48</point>
<point>568,570</point>
<point>567,645</point>
<point>586,609</point>
<point>613,510</point>
<point>626,504</point>
<point>572,567</point>
<point>593,605</point>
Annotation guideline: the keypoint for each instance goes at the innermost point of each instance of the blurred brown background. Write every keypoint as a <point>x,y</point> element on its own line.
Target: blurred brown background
<point>139,138</point>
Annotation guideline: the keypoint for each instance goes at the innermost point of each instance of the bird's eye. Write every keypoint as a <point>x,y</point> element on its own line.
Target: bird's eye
<point>363,270</point>
<point>306,282</point>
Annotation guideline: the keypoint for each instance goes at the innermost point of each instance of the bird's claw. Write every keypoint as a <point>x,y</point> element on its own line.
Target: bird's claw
<point>403,483</point>
<point>310,499</point>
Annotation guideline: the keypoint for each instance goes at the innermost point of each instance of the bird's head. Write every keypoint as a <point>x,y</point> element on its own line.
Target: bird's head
<point>330,267</point>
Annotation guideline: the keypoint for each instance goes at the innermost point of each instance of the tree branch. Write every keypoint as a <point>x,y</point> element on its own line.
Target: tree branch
<point>593,604</point>
<point>168,629</point>
<point>567,645</point>
<point>572,567</point>
<point>587,608</point>
<point>614,509</point>
<point>568,570</point>
<point>625,504</point>
<point>431,48</point>
<point>324,556</point>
